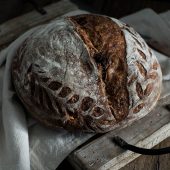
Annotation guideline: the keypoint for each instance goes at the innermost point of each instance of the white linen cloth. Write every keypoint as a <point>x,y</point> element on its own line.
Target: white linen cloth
<point>24,144</point>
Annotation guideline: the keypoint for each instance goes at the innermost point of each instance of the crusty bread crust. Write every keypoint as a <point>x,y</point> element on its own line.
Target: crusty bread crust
<point>86,72</point>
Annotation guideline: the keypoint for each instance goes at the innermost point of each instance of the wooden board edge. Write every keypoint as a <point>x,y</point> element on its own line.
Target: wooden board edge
<point>128,156</point>
<point>11,29</point>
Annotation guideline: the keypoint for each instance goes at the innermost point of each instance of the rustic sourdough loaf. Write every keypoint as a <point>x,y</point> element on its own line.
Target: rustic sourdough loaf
<point>86,72</point>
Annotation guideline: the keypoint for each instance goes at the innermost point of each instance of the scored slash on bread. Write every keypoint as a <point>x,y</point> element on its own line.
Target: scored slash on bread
<point>86,72</point>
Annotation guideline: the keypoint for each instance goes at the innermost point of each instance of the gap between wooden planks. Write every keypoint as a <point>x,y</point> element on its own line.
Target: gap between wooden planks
<point>11,29</point>
<point>147,132</point>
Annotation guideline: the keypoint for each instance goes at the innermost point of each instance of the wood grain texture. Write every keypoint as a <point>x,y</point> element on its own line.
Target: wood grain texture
<point>147,132</point>
<point>11,29</point>
<point>164,160</point>
<point>161,162</point>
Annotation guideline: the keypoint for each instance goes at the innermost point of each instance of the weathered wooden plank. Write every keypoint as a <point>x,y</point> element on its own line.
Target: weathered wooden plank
<point>159,162</point>
<point>11,29</point>
<point>164,160</point>
<point>146,132</point>
<point>143,162</point>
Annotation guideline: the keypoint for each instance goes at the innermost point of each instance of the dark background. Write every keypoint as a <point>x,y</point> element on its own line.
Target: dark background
<point>114,8</point>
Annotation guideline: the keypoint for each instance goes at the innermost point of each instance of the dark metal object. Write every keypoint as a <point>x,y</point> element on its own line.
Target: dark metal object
<point>124,145</point>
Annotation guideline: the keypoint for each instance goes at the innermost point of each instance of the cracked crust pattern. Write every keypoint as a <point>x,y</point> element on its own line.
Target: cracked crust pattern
<point>86,72</point>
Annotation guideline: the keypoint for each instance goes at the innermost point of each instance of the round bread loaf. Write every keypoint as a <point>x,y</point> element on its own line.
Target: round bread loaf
<point>86,72</point>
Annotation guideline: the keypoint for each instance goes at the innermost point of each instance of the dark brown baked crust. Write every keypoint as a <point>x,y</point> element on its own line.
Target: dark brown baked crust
<point>107,46</point>
<point>74,73</point>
